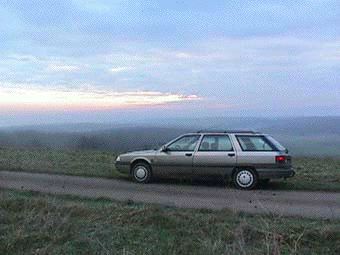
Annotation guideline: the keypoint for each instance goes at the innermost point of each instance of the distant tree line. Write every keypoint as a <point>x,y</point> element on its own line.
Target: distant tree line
<point>112,140</point>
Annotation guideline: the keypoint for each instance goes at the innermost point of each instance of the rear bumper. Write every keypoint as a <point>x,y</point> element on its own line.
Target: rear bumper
<point>122,167</point>
<point>275,173</point>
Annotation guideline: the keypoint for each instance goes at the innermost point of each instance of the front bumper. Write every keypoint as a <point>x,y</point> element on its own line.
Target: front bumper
<point>123,167</point>
<point>275,173</point>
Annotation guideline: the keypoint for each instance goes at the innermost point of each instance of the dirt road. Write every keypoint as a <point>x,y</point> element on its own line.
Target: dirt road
<point>282,203</point>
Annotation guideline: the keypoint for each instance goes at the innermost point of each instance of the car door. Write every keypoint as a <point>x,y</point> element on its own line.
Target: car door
<point>215,156</point>
<point>177,158</point>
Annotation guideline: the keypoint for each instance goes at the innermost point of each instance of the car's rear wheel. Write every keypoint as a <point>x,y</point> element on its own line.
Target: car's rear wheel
<point>245,178</point>
<point>141,172</point>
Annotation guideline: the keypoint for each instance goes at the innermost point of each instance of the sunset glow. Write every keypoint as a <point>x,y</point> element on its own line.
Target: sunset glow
<point>100,61</point>
<point>18,99</point>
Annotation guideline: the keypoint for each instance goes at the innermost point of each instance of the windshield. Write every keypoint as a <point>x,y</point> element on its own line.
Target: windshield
<point>279,146</point>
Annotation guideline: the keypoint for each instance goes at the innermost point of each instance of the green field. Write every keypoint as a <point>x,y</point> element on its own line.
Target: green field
<point>312,173</point>
<point>32,223</point>
<point>85,163</point>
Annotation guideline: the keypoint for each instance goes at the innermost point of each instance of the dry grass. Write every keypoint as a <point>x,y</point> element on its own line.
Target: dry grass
<point>40,224</point>
<point>85,163</point>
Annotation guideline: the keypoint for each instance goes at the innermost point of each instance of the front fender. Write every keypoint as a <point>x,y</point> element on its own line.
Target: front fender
<point>134,160</point>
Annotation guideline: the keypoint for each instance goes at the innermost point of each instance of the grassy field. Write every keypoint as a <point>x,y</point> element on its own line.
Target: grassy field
<point>85,163</point>
<point>312,173</point>
<point>32,223</point>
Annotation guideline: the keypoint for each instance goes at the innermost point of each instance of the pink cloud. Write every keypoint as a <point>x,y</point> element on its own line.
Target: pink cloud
<point>23,99</point>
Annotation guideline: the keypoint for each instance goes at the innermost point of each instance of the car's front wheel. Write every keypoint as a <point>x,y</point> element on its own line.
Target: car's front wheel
<point>245,178</point>
<point>141,173</point>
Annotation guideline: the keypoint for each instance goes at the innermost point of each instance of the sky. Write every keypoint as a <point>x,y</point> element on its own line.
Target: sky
<point>115,60</point>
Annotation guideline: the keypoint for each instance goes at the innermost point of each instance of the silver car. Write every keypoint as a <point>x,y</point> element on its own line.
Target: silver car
<point>245,157</point>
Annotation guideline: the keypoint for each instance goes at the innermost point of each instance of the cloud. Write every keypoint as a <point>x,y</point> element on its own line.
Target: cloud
<point>233,52</point>
<point>120,69</point>
<point>62,68</point>
<point>25,97</point>
<point>183,55</point>
<point>24,58</point>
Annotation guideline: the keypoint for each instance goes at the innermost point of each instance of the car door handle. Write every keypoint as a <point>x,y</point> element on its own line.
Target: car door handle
<point>188,154</point>
<point>231,154</point>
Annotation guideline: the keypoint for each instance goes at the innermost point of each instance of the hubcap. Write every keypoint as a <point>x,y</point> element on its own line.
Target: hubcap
<point>245,178</point>
<point>141,173</point>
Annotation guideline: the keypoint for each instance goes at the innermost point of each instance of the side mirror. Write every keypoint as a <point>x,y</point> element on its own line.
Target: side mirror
<point>164,149</point>
<point>287,151</point>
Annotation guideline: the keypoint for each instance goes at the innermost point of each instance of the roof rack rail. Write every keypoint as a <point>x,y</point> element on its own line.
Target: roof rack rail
<point>228,131</point>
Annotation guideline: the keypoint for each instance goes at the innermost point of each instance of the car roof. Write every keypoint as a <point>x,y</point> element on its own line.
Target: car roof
<point>216,132</point>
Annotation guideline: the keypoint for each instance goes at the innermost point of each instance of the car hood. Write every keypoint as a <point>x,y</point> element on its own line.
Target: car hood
<point>140,153</point>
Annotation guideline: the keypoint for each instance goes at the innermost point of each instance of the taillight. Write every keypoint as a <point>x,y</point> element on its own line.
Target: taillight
<point>280,159</point>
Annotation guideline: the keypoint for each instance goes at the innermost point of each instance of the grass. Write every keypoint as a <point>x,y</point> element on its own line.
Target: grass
<point>85,163</point>
<point>312,173</point>
<point>32,223</point>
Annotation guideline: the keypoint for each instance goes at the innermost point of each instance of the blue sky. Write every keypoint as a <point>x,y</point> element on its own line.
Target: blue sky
<point>105,60</point>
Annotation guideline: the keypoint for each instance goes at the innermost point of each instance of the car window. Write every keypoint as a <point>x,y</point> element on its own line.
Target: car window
<point>255,143</point>
<point>276,143</point>
<point>216,143</point>
<point>186,143</point>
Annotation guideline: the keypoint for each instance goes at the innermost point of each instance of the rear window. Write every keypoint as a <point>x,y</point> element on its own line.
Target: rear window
<point>255,143</point>
<point>276,143</point>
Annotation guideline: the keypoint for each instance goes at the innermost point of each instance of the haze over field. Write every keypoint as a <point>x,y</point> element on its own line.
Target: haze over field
<point>120,61</point>
<point>318,136</point>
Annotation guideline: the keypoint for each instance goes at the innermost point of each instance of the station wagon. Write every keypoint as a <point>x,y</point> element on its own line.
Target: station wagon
<point>245,157</point>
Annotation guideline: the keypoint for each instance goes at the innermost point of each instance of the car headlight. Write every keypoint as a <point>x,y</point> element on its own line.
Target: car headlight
<point>118,158</point>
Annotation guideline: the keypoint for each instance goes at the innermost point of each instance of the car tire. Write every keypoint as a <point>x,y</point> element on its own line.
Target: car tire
<point>141,173</point>
<point>245,178</point>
